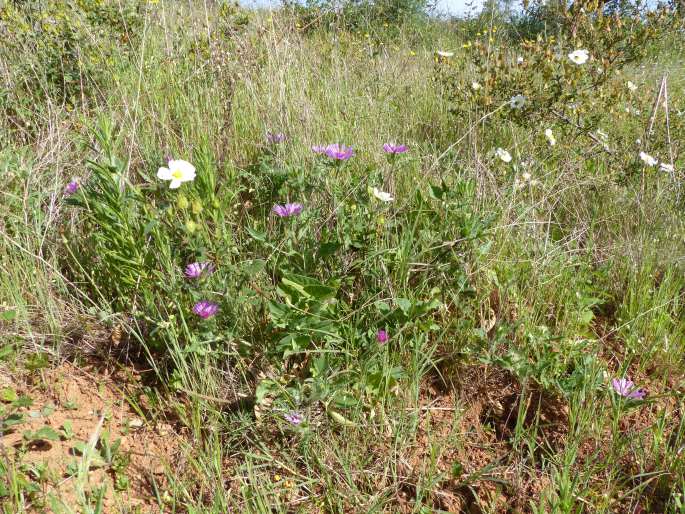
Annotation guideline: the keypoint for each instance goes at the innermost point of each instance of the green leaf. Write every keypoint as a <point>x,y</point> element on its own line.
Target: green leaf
<point>255,234</point>
<point>7,394</point>
<point>13,419</point>
<point>68,429</point>
<point>22,401</point>
<point>8,315</point>
<point>37,361</point>
<point>44,433</point>
<point>253,267</point>
<point>340,419</point>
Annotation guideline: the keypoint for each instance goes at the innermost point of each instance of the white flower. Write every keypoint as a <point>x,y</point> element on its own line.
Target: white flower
<point>668,168</point>
<point>579,56</point>
<point>503,154</point>
<point>550,137</point>
<point>648,159</point>
<point>382,195</point>
<point>442,53</point>
<point>526,176</point>
<point>632,87</point>
<point>179,171</point>
<point>475,86</point>
<point>519,60</point>
<point>517,101</point>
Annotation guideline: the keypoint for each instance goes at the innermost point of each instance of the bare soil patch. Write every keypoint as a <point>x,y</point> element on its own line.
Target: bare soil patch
<point>82,404</point>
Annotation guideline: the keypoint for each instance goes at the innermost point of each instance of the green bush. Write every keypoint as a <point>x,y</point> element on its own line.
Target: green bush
<point>62,52</point>
<point>356,15</point>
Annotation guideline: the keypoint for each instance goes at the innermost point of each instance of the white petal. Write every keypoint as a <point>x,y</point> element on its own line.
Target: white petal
<point>175,184</point>
<point>164,173</point>
<point>187,170</point>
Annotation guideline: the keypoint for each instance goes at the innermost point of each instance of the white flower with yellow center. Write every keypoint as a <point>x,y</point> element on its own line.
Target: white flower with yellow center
<point>550,137</point>
<point>503,155</point>
<point>517,101</point>
<point>648,159</point>
<point>631,87</point>
<point>179,171</point>
<point>579,56</point>
<point>382,195</point>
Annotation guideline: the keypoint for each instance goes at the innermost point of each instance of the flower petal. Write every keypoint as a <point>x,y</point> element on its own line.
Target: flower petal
<point>164,173</point>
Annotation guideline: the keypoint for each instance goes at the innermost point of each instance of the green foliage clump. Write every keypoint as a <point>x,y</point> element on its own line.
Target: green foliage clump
<point>542,71</point>
<point>63,51</point>
<point>357,15</point>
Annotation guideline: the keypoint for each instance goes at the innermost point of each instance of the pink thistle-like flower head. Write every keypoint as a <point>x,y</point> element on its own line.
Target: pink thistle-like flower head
<point>205,309</point>
<point>382,336</point>
<point>197,269</point>
<point>339,152</point>
<point>289,209</point>
<point>392,148</point>
<point>71,188</point>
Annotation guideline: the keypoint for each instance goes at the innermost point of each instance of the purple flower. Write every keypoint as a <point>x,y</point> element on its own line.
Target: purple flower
<point>71,188</point>
<point>196,269</point>
<point>205,309</point>
<point>293,417</point>
<point>393,148</point>
<point>382,336</point>
<point>627,389</point>
<point>339,152</point>
<point>289,209</point>
<point>276,138</point>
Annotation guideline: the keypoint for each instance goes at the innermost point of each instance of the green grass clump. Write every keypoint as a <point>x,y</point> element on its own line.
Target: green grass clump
<point>512,291</point>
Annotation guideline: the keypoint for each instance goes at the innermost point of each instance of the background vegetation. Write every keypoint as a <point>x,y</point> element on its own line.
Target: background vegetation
<point>512,293</point>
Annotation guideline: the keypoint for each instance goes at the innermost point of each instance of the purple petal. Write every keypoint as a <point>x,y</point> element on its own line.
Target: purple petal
<point>196,269</point>
<point>276,138</point>
<point>294,417</point>
<point>382,336</point>
<point>393,148</point>
<point>626,388</point>
<point>71,188</point>
<point>205,309</point>
<point>289,209</point>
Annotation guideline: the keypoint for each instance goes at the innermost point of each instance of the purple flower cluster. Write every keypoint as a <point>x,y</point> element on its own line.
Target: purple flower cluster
<point>626,388</point>
<point>287,210</point>
<point>195,270</point>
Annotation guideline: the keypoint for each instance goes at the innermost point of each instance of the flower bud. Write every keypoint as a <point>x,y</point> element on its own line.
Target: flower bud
<point>182,202</point>
<point>191,226</point>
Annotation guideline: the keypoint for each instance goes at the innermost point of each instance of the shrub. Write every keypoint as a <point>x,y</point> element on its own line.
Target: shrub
<point>67,50</point>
